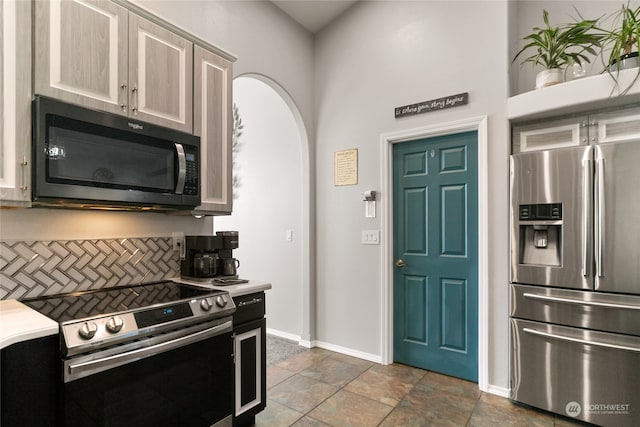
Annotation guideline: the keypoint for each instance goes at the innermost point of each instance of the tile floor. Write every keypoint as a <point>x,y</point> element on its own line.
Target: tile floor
<point>321,388</point>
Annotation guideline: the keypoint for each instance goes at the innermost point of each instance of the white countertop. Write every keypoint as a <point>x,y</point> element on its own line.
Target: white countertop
<point>21,323</point>
<point>234,290</point>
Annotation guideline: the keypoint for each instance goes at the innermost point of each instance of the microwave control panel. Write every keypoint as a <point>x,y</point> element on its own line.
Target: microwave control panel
<point>193,166</point>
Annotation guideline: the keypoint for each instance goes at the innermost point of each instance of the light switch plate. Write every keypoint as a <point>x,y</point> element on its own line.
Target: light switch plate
<point>370,237</point>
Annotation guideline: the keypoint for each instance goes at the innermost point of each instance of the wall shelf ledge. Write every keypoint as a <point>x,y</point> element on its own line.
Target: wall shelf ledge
<point>576,96</point>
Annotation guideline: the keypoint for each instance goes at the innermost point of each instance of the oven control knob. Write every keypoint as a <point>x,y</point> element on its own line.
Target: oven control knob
<point>115,324</point>
<point>88,330</point>
<point>205,304</point>
<point>221,301</point>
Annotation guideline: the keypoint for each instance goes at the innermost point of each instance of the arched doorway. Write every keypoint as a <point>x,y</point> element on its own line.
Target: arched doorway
<point>272,203</point>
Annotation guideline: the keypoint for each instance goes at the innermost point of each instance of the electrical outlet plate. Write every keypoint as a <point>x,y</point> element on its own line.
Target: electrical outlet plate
<point>178,243</point>
<point>370,237</point>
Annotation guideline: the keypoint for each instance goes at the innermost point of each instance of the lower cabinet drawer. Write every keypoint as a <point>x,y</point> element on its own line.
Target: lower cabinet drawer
<point>249,307</point>
<point>588,375</point>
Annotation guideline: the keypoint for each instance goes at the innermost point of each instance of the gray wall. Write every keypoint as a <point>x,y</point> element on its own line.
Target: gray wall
<point>377,56</point>
<point>268,201</point>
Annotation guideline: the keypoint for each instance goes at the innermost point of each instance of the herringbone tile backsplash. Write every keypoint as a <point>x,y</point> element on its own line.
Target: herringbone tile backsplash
<point>31,269</point>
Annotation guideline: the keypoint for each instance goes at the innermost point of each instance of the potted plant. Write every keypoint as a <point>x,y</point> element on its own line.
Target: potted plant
<point>621,43</point>
<point>556,47</point>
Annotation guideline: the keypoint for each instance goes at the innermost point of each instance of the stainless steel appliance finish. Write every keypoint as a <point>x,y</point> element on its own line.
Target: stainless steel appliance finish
<point>90,159</point>
<point>544,178</point>
<point>575,277</point>
<point>588,310</point>
<point>153,354</point>
<point>589,375</point>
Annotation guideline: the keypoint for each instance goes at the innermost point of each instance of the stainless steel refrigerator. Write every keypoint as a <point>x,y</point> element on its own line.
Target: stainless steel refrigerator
<point>575,279</point>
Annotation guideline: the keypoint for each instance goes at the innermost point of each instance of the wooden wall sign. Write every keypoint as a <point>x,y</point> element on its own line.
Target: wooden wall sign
<point>433,105</point>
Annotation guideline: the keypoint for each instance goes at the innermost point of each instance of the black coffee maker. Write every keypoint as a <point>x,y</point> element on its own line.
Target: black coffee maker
<point>207,257</point>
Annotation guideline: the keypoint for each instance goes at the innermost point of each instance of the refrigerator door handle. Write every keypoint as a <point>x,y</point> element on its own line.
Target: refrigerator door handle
<point>581,341</point>
<point>550,298</point>
<point>587,184</point>
<point>600,220</point>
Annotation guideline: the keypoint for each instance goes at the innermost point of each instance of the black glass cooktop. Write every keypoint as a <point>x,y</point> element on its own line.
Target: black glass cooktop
<point>80,305</point>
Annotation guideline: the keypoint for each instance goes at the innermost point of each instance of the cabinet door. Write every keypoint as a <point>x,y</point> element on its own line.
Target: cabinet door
<point>160,75</point>
<point>81,53</point>
<point>616,126</point>
<point>250,352</point>
<point>213,123</point>
<point>547,135</point>
<point>15,102</point>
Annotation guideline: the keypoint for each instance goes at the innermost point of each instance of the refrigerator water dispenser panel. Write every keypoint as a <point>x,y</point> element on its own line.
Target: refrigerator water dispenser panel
<point>540,234</point>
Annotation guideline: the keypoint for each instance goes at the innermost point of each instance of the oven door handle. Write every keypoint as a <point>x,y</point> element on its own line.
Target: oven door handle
<point>83,369</point>
<point>581,341</point>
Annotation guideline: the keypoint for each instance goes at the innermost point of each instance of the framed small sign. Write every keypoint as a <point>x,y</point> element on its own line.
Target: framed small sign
<point>345,167</point>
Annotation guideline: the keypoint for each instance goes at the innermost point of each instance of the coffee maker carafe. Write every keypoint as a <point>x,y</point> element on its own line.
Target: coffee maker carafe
<point>208,257</point>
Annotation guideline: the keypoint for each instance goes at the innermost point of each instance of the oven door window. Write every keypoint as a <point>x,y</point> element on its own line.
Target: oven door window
<point>86,154</point>
<point>188,386</point>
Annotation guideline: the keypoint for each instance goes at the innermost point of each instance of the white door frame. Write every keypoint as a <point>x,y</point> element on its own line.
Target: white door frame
<point>387,140</point>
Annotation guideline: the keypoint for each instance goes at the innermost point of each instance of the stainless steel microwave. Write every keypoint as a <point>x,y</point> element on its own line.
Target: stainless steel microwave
<point>84,158</point>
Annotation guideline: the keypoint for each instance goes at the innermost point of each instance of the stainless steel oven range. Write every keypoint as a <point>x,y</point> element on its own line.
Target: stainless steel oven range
<point>158,354</point>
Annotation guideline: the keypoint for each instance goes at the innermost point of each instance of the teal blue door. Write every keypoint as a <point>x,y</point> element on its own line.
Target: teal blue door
<point>435,291</point>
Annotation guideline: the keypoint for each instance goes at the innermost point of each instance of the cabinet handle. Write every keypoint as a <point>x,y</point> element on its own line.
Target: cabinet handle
<point>253,301</point>
<point>134,90</point>
<point>24,164</point>
<point>123,86</point>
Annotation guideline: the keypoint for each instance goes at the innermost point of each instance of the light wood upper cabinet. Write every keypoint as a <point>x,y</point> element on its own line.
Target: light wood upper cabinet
<point>160,75</point>
<point>213,122</point>
<point>15,103</point>
<point>98,54</point>
<point>81,53</point>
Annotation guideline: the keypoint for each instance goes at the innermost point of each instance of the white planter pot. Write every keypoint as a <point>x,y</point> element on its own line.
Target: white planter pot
<point>549,77</point>
<point>626,62</point>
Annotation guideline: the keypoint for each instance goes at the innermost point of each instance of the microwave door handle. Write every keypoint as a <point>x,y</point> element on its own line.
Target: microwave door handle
<point>182,168</point>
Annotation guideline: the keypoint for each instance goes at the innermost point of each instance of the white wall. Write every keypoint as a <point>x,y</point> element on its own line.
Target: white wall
<point>269,201</point>
<point>377,56</point>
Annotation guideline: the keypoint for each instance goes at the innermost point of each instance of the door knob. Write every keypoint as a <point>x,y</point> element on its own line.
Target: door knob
<point>400,263</point>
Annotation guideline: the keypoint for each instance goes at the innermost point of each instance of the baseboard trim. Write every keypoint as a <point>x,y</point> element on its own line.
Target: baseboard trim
<point>376,358</point>
<point>498,391</point>
<point>285,335</point>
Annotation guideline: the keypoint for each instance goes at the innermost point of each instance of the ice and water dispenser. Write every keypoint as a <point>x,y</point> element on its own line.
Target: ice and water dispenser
<point>540,241</point>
